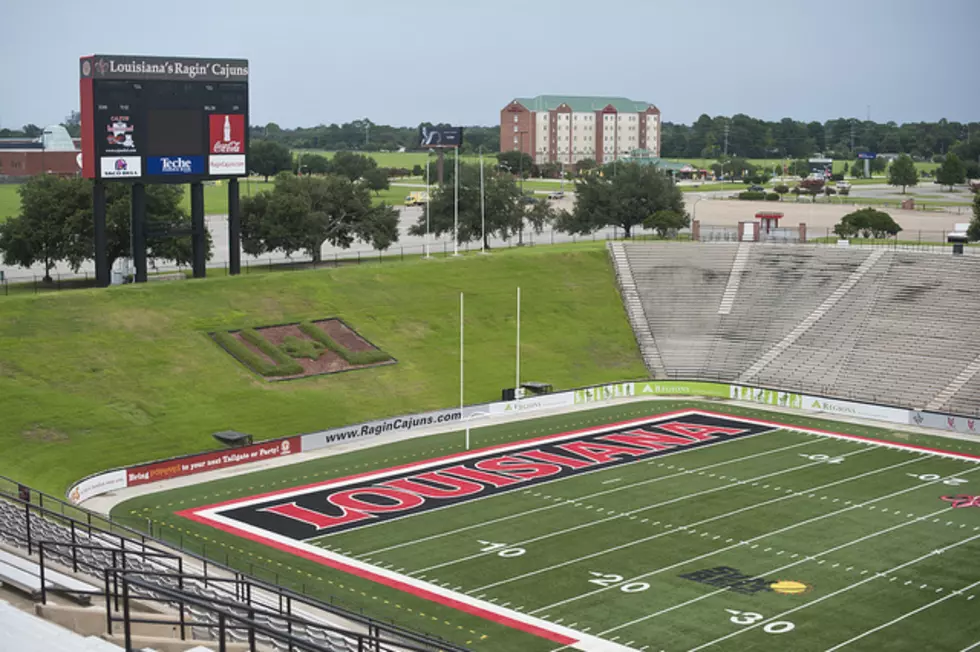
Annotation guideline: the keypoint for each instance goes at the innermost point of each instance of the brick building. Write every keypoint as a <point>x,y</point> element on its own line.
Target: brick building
<point>55,152</point>
<point>567,129</point>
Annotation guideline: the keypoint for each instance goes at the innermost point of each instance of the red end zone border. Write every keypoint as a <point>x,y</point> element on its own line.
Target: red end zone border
<point>207,515</point>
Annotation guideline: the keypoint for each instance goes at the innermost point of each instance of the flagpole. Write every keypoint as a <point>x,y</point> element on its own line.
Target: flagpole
<point>461,366</point>
<point>517,374</point>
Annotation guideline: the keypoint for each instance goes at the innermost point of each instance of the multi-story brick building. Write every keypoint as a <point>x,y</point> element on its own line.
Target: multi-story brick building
<point>567,129</point>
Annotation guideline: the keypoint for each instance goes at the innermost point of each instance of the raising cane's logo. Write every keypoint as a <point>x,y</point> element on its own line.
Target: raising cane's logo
<point>962,501</point>
<point>341,505</point>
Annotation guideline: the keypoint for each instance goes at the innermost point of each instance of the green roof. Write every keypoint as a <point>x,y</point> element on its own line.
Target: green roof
<point>582,104</point>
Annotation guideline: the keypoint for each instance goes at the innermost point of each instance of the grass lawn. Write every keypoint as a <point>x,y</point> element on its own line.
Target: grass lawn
<point>633,551</point>
<point>9,200</point>
<point>91,379</point>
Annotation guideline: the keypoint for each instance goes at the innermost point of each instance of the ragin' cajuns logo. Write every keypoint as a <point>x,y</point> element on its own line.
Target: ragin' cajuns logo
<point>962,501</point>
<point>345,504</point>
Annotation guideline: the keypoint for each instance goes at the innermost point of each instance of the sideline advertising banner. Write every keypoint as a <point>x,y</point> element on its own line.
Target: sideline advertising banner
<point>397,425</point>
<point>850,408</point>
<point>765,396</point>
<point>157,471</point>
<point>681,388</point>
<point>949,422</point>
<point>563,399</point>
<point>603,393</point>
<point>97,485</point>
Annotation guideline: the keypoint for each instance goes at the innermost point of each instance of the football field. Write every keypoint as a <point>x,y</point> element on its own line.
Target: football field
<point>685,530</point>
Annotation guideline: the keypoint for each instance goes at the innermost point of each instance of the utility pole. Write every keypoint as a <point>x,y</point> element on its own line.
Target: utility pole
<point>367,134</point>
<point>726,139</point>
<point>852,136</point>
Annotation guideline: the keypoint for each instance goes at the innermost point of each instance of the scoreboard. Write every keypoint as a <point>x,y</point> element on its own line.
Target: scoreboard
<point>163,119</point>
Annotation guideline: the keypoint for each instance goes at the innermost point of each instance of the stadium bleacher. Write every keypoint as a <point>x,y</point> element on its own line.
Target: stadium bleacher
<point>880,325</point>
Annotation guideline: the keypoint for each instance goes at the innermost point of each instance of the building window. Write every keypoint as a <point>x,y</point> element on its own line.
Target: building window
<point>515,140</point>
<point>515,129</point>
<point>515,117</point>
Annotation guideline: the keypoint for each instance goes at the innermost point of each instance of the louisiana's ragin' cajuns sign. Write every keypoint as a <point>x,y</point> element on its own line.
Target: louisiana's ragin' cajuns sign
<point>339,505</point>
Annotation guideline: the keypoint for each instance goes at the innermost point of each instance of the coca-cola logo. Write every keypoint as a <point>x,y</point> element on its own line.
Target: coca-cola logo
<point>227,133</point>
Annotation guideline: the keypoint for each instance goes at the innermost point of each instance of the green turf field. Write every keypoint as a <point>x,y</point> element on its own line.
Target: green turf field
<point>857,535</point>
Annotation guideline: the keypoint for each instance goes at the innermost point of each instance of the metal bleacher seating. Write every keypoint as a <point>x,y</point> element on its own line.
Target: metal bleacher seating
<point>77,555</point>
<point>24,632</point>
<point>879,325</point>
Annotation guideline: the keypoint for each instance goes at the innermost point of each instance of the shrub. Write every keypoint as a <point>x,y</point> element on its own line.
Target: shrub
<point>837,177</point>
<point>245,355</point>
<point>417,170</point>
<point>846,190</point>
<point>352,357</point>
<point>752,196</point>
<point>867,222</point>
<point>287,365</point>
<point>781,189</point>
<point>829,191</point>
<point>772,196</point>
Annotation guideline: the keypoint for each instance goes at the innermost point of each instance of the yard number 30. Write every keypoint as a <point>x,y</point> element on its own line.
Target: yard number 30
<point>750,618</point>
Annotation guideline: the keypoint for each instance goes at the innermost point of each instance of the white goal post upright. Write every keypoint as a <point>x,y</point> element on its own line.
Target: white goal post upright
<point>517,369</point>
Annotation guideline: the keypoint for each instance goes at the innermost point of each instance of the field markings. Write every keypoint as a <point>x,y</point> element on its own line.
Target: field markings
<point>599,493</point>
<point>687,526</point>
<point>903,616</point>
<point>600,521</point>
<point>884,573</point>
<point>971,647</point>
<point>757,538</point>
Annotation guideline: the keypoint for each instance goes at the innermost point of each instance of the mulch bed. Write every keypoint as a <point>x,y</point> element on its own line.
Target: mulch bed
<point>328,362</point>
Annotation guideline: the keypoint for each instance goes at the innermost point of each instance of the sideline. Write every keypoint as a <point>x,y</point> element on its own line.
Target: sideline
<point>104,503</point>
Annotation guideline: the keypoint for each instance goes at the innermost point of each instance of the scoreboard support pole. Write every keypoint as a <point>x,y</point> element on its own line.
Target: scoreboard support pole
<point>197,229</point>
<point>101,246</point>
<point>138,228</point>
<point>234,229</point>
<point>440,166</point>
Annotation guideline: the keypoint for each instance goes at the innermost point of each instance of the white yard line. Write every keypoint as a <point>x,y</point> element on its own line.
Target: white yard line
<point>904,616</point>
<point>639,510</point>
<point>971,647</point>
<point>753,539</point>
<point>762,623</point>
<point>679,528</point>
<point>601,493</point>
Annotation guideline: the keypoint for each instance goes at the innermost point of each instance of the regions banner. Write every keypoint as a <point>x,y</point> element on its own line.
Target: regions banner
<point>765,396</point>
<point>850,408</point>
<point>681,388</point>
<point>175,468</point>
<point>531,403</point>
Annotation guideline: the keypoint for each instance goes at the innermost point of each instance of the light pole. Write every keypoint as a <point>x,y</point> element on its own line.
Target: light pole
<point>483,209</point>
<point>456,206</point>
<point>428,191</point>
<point>520,234</point>
<point>694,207</point>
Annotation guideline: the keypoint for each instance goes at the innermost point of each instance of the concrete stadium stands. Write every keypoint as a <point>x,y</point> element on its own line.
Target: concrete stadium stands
<point>26,633</point>
<point>879,325</point>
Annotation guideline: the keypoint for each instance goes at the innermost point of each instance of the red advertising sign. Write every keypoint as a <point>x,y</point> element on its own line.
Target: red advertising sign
<point>157,471</point>
<point>227,133</point>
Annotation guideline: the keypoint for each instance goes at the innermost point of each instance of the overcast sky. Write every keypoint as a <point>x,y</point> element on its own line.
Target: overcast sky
<point>461,61</point>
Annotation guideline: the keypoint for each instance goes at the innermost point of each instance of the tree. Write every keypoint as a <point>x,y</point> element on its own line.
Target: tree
<point>376,179</point>
<point>665,221</point>
<point>781,190</point>
<point>585,166</point>
<point>38,234</point>
<point>516,163</point>
<point>312,164</point>
<point>903,173</point>
<point>352,165</point>
<point>417,170</point>
<point>301,213</point>
<point>268,158</point>
<point>951,171</point>
<point>73,123</point>
<point>867,222</point>
<point>812,187</point>
<point>624,200</point>
<point>56,224</point>
<point>32,130</point>
<point>974,231</point>
<point>504,208</point>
